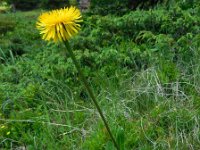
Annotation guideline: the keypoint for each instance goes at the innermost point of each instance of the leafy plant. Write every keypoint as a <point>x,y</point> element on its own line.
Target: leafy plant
<point>143,65</point>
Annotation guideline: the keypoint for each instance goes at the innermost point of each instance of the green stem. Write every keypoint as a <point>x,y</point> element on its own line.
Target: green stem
<point>89,91</point>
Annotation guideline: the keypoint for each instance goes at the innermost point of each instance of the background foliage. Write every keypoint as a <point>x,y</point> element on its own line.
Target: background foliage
<point>31,4</point>
<point>143,66</point>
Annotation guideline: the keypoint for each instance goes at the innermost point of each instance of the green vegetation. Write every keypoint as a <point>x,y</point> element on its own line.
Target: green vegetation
<point>32,4</point>
<point>143,65</point>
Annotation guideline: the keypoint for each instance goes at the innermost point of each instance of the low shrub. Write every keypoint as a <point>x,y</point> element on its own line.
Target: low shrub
<point>6,24</point>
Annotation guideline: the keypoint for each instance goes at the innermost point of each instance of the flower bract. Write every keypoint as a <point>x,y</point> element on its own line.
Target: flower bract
<point>59,25</point>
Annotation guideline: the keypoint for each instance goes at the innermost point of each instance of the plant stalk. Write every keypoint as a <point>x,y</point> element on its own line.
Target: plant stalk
<point>90,92</point>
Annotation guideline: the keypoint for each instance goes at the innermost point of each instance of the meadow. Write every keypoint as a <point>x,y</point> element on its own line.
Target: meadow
<point>143,66</point>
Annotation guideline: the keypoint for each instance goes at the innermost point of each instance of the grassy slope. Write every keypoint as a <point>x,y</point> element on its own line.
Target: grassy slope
<point>143,67</point>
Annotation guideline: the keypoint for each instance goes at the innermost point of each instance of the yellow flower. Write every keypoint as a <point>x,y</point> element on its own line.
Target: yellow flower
<point>59,25</point>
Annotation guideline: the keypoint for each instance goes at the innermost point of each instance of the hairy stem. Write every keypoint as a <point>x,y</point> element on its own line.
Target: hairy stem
<point>90,92</point>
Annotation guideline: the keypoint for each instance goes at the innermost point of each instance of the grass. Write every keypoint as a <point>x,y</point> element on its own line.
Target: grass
<point>148,90</point>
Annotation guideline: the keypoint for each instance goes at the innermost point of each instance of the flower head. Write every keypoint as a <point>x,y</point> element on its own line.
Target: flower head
<point>59,25</point>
